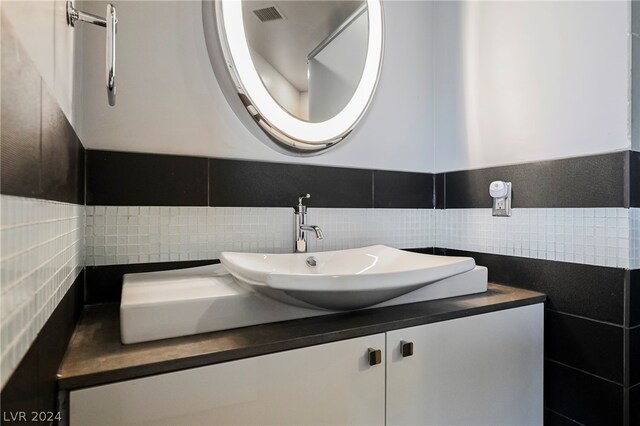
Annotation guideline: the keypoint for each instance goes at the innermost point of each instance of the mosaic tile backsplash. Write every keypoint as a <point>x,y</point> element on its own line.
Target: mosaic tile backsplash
<point>121,235</point>
<point>40,256</point>
<point>595,236</point>
<point>634,236</point>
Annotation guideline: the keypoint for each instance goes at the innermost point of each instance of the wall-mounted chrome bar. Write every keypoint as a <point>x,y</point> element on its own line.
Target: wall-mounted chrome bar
<point>335,33</point>
<point>111,24</point>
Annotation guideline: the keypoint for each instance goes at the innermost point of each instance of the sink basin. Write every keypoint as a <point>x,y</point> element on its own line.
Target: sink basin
<point>343,279</point>
<point>250,289</point>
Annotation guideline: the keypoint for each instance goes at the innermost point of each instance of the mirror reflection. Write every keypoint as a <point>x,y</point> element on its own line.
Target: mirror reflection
<point>310,55</point>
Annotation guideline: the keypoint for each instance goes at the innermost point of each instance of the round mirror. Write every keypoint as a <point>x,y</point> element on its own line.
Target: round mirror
<point>305,71</point>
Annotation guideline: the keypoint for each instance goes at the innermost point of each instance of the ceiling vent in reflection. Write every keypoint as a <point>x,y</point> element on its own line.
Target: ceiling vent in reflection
<point>268,14</point>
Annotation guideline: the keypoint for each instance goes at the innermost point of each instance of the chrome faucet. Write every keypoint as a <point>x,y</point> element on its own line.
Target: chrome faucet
<point>301,228</point>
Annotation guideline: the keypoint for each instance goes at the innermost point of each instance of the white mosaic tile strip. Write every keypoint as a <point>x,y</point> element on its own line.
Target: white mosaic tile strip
<point>121,235</point>
<point>596,236</point>
<point>41,254</point>
<point>351,228</point>
<point>634,235</point>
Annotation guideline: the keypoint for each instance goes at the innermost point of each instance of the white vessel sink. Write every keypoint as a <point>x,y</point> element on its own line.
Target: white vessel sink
<point>159,305</point>
<point>343,279</point>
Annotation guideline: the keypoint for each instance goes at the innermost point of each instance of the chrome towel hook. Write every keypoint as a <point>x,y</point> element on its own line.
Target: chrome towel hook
<point>111,24</point>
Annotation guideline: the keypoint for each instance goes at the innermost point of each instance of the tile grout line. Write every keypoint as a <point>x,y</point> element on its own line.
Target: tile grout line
<point>586,318</point>
<point>584,372</point>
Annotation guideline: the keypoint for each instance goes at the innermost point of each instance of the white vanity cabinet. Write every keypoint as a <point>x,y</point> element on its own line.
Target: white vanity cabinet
<point>480,370</point>
<point>327,384</point>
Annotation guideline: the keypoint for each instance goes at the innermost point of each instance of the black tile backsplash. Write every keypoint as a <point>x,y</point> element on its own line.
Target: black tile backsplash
<point>594,181</point>
<point>62,155</point>
<point>634,178</point>
<point>592,346</point>
<point>402,190</point>
<point>595,292</point>
<point>634,297</point>
<point>440,194</point>
<point>582,397</point>
<point>132,179</point>
<point>152,179</point>
<point>120,178</point>
<point>41,156</point>
<point>551,418</point>
<point>634,356</point>
<point>235,183</point>
<point>634,405</point>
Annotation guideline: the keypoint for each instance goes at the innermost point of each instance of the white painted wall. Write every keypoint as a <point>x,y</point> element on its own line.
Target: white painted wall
<point>527,81</point>
<point>279,87</point>
<point>463,85</point>
<point>169,100</point>
<point>334,73</point>
<point>41,27</point>
<point>304,105</point>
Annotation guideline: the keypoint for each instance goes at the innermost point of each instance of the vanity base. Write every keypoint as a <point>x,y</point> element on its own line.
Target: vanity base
<point>159,305</point>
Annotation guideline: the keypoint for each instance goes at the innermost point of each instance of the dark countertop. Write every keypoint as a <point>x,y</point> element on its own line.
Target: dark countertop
<point>95,355</point>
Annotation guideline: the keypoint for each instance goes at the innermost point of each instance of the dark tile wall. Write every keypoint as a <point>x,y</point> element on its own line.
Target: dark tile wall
<point>41,157</point>
<point>587,291</point>
<point>584,398</point>
<point>403,190</point>
<point>591,346</point>
<point>130,179</point>
<point>634,405</point>
<point>594,181</point>
<point>634,298</point>
<point>551,418</point>
<point>248,183</point>
<point>634,178</point>
<point>40,154</point>
<point>157,180</point>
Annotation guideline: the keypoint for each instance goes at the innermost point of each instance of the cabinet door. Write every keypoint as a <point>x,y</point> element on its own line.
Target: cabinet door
<point>325,384</point>
<point>480,370</point>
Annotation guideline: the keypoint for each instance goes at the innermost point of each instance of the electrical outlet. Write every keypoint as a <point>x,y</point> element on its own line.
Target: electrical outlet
<point>501,193</point>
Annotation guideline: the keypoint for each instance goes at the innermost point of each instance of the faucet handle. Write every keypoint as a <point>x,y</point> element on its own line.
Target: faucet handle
<point>302,197</point>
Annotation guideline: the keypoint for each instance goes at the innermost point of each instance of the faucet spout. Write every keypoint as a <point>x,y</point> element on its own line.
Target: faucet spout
<point>314,228</point>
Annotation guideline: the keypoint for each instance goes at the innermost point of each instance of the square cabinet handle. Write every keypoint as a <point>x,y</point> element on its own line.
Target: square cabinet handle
<point>375,356</point>
<point>406,348</point>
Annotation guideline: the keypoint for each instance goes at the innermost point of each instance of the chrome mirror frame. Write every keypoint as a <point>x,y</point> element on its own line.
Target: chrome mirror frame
<point>257,120</point>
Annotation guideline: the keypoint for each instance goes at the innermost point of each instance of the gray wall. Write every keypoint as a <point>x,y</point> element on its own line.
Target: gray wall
<point>463,85</point>
<point>529,81</point>
<point>169,100</point>
<point>334,73</point>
